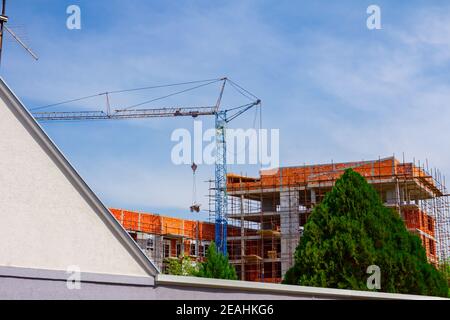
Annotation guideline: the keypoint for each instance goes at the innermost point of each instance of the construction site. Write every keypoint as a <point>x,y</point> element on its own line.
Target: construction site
<point>266,215</point>
<point>254,221</point>
<point>163,237</point>
<point>276,206</point>
<point>258,221</point>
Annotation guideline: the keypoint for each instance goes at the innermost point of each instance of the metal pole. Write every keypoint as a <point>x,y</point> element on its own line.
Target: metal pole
<point>3,20</point>
<point>242,237</point>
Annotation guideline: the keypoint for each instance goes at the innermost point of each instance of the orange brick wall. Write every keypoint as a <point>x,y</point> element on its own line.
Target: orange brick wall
<point>162,225</point>
<point>416,219</point>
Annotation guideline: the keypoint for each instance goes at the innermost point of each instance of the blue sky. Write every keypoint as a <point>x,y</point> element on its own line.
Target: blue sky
<point>335,90</point>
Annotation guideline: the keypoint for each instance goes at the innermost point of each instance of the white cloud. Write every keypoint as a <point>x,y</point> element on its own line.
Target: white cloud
<point>390,95</point>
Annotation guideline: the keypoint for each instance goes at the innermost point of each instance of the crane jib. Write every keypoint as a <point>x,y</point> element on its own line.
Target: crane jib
<point>222,117</point>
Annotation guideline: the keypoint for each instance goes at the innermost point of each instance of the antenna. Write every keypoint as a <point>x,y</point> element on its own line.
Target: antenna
<point>21,43</point>
<point>3,27</point>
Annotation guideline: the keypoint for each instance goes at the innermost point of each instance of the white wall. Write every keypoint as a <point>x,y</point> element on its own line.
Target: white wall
<point>44,220</point>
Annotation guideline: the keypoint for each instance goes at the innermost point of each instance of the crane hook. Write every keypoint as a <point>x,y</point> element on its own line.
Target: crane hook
<point>195,206</point>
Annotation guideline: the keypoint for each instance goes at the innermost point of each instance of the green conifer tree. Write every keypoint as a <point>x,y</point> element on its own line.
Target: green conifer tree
<point>350,230</point>
<point>216,265</point>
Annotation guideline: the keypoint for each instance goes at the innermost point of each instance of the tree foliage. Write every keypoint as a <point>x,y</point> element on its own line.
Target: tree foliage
<point>216,265</point>
<point>181,266</point>
<point>350,230</point>
<point>445,268</point>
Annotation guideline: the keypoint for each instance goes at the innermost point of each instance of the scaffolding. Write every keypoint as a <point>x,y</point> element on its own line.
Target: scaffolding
<point>162,237</point>
<point>266,215</point>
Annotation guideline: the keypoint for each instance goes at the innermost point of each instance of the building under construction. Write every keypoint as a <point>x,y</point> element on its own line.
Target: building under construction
<point>266,215</point>
<point>269,212</point>
<point>162,238</point>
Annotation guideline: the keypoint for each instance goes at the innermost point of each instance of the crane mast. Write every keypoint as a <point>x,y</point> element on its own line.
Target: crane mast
<point>222,117</point>
<point>220,183</point>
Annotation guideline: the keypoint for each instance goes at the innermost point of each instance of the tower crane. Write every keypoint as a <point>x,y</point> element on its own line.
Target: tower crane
<point>222,118</point>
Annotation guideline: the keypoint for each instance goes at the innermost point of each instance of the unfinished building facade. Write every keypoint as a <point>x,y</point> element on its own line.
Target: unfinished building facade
<point>162,238</point>
<point>268,213</point>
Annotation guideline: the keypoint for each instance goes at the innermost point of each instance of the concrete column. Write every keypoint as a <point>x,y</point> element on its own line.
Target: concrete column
<point>158,251</point>
<point>182,247</point>
<point>313,197</point>
<point>197,239</point>
<point>289,220</point>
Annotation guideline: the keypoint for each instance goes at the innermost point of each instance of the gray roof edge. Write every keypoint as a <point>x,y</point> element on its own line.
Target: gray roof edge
<point>60,275</point>
<point>78,181</point>
<point>292,290</point>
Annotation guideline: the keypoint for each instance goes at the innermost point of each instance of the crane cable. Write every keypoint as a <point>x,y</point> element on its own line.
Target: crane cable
<point>170,95</point>
<point>243,91</point>
<point>131,90</point>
